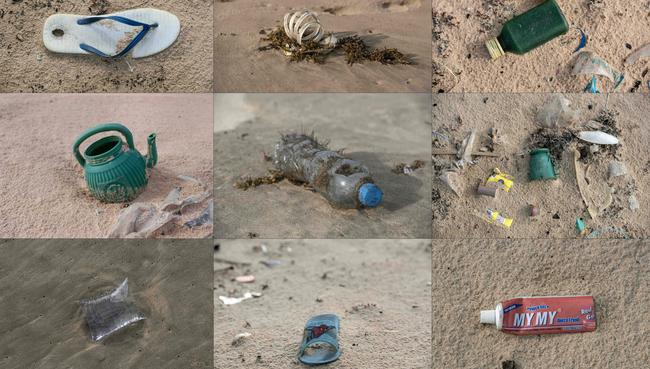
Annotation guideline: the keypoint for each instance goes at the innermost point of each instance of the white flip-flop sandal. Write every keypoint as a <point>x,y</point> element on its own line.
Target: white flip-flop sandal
<point>143,32</point>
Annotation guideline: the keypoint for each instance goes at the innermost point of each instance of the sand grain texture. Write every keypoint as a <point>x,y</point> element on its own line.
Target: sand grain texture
<point>43,191</point>
<point>459,44</point>
<point>240,67</point>
<point>27,66</point>
<point>380,130</point>
<point>470,276</point>
<point>378,288</point>
<point>41,283</point>
<point>514,117</point>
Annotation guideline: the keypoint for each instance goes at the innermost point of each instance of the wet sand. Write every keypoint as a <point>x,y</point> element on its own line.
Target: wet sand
<point>559,201</point>
<point>240,67</point>
<point>42,185</point>
<point>378,288</point>
<point>615,28</point>
<point>470,276</point>
<point>380,130</point>
<point>42,282</point>
<point>28,66</point>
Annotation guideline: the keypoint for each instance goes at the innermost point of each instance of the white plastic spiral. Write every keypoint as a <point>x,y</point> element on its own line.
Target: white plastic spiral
<point>304,25</point>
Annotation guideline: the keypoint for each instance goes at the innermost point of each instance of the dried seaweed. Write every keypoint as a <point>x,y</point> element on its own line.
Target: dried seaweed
<point>247,183</point>
<point>354,48</point>
<point>403,168</point>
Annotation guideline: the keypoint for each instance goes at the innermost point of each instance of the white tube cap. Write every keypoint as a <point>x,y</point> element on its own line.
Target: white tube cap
<point>488,317</point>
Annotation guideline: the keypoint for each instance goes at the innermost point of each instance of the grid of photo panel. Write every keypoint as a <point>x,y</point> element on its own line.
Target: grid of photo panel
<point>345,184</point>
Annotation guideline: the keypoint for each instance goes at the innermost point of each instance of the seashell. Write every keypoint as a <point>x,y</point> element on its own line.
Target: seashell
<point>598,137</point>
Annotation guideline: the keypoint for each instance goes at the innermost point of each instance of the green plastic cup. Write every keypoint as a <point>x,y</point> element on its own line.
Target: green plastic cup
<point>541,166</point>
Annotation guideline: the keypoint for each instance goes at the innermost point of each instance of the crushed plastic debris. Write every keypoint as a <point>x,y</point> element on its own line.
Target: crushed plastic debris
<point>404,168</point>
<point>466,148</point>
<point>240,339</point>
<point>557,113</point>
<point>617,169</point>
<point>598,137</point>
<point>245,279</point>
<point>592,86</point>
<point>618,232</point>
<point>494,217</point>
<point>110,313</point>
<point>236,300</point>
<point>452,180</point>
<point>642,52</point>
<point>142,220</point>
<point>503,180</point>
<point>206,217</point>
<point>590,64</point>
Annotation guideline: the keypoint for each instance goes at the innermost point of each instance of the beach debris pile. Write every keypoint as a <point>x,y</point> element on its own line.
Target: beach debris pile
<point>110,313</point>
<point>303,38</point>
<point>403,168</point>
<point>602,179</point>
<point>143,220</point>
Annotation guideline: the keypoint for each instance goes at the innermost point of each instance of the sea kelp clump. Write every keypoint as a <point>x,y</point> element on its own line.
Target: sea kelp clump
<point>353,47</point>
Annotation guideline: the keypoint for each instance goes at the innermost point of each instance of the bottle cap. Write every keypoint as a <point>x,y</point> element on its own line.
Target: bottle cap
<point>370,195</point>
<point>488,317</point>
<point>495,49</point>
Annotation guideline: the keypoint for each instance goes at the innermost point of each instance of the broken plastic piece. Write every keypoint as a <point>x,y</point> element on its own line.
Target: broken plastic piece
<point>617,169</point>
<point>592,86</point>
<point>271,263</point>
<point>583,40</point>
<point>598,137</point>
<point>204,218</point>
<point>240,338</point>
<point>642,52</point>
<point>557,113</point>
<point>110,313</point>
<point>465,152</point>
<point>580,225</point>
<point>533,210</point>
<point>495,217</point>
<point>502,179</point>
<point>541,165</point>
<point>236,300</point>
<point>633,203</point>
<point>452,180</point>
<point>591,64</point>
<point>140,220</point>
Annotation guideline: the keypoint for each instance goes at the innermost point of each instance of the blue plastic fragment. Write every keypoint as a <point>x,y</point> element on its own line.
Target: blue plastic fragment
<point>592,86</point>
<point>583,40</point>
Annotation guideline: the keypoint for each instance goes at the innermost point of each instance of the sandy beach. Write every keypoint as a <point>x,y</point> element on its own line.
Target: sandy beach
<point>614,28</point>
<point>29,67</point>
<point>559,201</point>
<point>41,283</point>
<point>469,276</point>
<point>380,130</point>
<point>240,67</point>
<point>378,288</point>
<point>42,185</point>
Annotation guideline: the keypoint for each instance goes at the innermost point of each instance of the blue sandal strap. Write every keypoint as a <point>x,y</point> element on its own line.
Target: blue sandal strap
<point>325,338</point>
<point>145,28</point>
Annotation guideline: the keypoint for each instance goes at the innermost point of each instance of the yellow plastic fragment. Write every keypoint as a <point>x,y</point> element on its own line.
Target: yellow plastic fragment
<point>501,178</point>
<point>495,217</point>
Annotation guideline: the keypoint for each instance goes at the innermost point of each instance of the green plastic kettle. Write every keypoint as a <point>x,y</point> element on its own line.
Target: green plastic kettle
<point>114,170</point>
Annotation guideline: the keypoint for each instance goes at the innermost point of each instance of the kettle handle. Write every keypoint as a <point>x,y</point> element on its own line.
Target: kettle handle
<point>99,129</point>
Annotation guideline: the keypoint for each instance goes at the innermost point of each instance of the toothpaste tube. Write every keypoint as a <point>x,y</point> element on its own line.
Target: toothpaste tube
<point>543,315</point>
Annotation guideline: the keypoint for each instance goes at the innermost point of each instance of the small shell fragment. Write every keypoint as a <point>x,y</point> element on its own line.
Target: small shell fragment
<point>598,137</point>
<point>245,279</point>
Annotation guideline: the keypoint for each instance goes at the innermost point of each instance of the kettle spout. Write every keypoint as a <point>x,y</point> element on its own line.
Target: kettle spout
<point>152,155</point>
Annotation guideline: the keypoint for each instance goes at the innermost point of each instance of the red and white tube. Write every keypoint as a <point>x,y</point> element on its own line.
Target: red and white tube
<point>543,315</point>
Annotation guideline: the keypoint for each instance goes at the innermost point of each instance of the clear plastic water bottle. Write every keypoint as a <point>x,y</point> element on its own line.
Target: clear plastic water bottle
<point>344,182</point>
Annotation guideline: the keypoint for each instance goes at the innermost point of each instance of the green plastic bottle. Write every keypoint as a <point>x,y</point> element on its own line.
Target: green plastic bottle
<point>529,30</point>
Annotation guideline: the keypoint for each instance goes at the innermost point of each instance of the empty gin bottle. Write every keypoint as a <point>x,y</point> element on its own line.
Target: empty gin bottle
<point>344,182</point>
<point>529,30</point>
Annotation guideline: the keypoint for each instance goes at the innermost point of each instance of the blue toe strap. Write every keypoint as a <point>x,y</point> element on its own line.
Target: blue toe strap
<point>130,22</point>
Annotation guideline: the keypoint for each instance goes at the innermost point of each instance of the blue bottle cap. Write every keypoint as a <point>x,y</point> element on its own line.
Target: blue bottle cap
<point>370,195</point>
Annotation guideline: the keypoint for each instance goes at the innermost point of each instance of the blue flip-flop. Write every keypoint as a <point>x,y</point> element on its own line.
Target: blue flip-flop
<point>320,342</point>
